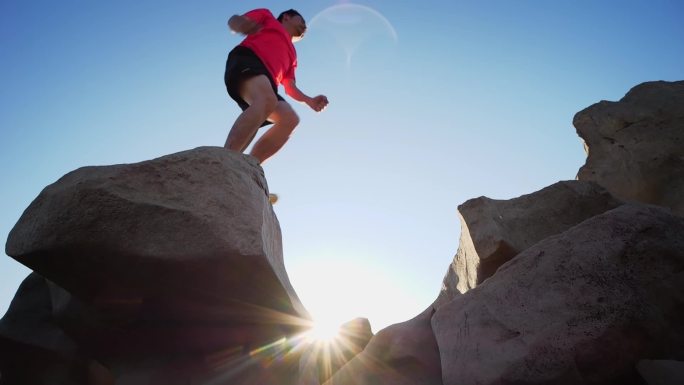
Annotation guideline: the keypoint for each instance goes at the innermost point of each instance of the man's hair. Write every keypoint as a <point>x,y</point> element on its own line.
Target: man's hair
<point>289,12</point>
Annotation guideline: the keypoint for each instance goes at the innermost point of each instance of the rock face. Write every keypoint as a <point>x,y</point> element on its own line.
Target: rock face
<point>494,231</point>
<point>636,146</point>
<point>34,347</point>
<point>199,217</point>
<point>180,256</point>
<point>582,307</point>
<point>401,354</point>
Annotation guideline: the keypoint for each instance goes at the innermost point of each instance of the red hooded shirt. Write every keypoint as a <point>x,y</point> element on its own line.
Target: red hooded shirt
<point>273,45</point>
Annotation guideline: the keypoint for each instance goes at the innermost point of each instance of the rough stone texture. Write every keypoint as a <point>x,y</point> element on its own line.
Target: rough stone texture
<point>166,270</point>
<point>195,224</point>
<point>323,359</point>
<point>494,231</point>
<point>635,147</point>
<point>582,307</point>
<point>401,354</point>
<point>662,372</point>
<point>33,347</point>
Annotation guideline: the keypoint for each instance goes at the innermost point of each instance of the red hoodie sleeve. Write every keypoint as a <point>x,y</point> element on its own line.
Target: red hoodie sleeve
<point>259,15</point>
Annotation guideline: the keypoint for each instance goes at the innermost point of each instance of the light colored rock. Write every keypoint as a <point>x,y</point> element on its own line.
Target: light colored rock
<point>494,231</point>
<point>401,354</point>
<point>581,307</point>
<point>662,372</point>
<point>193,228</point>
<point>635,147</point>
<point>162,270</point>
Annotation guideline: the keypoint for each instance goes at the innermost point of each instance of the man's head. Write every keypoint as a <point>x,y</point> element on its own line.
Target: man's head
<point>294,23</point>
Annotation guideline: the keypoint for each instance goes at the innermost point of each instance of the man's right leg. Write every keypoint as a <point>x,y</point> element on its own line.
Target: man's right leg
<point>258,93</point>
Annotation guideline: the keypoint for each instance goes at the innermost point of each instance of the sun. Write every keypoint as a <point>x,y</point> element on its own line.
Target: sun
<point>324,331</point>
<point>338,287</point>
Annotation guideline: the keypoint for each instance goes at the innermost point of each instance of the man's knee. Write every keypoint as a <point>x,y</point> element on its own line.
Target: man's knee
<point>293,119</point>
<point>289,118</point>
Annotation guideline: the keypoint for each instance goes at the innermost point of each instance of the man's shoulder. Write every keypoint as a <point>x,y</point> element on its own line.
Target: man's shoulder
<point>260,12</point>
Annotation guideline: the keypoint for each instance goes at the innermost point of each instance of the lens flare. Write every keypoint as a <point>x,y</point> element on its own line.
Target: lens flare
<point>351,25</point>
<point>326,332</point>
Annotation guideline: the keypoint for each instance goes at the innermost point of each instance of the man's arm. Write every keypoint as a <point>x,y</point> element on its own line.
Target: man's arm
<point>243,25</point>
<point>316,103</point>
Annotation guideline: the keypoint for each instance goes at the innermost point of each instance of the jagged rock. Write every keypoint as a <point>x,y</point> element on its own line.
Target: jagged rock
<point>164,263</point>
<point>323,359</point>
<point>33,347</point>
<point>635,147</point>
<point>401,354</point>
<point>582,307</point>
<point>356,333</point>
<point>662,372</point>
<point>494,231</point>
<point>30,319</point>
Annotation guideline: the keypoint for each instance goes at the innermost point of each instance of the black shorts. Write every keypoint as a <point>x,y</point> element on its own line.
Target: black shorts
<point>243,64</point>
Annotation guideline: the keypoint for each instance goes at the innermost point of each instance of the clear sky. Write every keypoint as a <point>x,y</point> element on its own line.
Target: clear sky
<point>431,103</point>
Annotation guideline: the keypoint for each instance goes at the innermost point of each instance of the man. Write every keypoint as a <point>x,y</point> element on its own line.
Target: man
<point>255,68</point>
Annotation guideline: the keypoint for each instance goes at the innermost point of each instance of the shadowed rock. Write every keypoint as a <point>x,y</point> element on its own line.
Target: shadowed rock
<point>635,147</point>
<point>34,349</point>
<point>494,231</point>
<point>662,372</point>
<point>582,307</point>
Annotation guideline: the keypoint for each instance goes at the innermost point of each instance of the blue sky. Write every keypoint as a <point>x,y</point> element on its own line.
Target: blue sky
<point>471,98</point>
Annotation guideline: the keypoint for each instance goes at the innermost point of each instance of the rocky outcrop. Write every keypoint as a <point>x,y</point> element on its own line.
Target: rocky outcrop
<point>582,307</point>
<point>635,147</point>
<point>555,293</point>
<point>494,231</point>
<point>170,272</point>
<point>200,216</point>
<point>173,260</point>
<point>401,354</point>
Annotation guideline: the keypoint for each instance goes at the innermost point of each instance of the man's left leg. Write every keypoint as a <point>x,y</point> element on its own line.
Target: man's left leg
<point>284,120</point>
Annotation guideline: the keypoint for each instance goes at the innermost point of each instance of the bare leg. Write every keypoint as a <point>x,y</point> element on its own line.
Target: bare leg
<point>285,120</point>
<point>258,93</point>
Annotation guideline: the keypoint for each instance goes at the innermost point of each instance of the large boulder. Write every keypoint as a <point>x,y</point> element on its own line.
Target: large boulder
<point>401,354</point>
<point>494,231</point>
<point>195,224</point>
<point>635,147</point>
<point>582,307</point>
<point>161,264</point>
